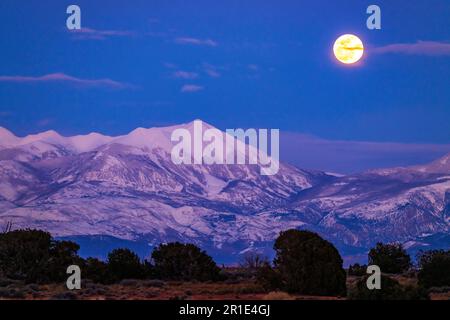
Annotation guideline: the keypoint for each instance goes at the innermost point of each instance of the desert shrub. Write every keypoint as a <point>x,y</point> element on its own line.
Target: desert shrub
<point>439,290</point>
<point>357,270</point>
<point>390,290</point>
<point>269,278</point>
<point>129,283</point>
<point>251,262</point>
<point>434,268</point>
<point>33,256</point>
<point>153,283</point>
<point>125,264</point>
<point>62,255</point>
<point>250,288</point>
<point>277,295</point>
<point>4,282</point>
<point>12,293</point>
<point>391,258</point>
<point>308,264</point>
<point>177,261</point>
<point>97,271</point>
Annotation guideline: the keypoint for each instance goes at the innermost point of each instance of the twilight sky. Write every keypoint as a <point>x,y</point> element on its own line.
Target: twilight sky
<point>235,63</point>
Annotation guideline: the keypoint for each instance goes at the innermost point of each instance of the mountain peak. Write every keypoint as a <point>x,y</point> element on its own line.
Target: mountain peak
<point>7,137</point>
<point>5,132</point>
<point>50,136</point>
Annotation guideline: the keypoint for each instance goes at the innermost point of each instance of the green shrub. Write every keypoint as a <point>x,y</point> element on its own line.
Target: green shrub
<point>125,264</point>
<point>308,264</point>
<point>177,261</point>
<point>391,258</point>
<point>269,278</point>
<point>33,256</point>
<point>97,271</point>
<point>434,268</point>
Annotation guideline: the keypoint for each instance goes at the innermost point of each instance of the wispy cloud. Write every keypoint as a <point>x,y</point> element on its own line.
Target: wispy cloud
<point>211,70</point>
<point>311,152</point>
<point>429,48</point>
<point>196,41</point>
<point>94,34</point>
<point>191,88</point>
<point>64,78</point>
<point>180,74</point>
<point>44,122</point>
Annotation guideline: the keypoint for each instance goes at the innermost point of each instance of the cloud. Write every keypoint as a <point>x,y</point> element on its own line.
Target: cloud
<point>180,74</point>
<point>196,41</point>
<point>429,48</point>
<point>345,156</point>
<point>44,122</point>
<point>64,78</point>
<point>93,34</point>
<point>211,70</point>
<point>191,88</point>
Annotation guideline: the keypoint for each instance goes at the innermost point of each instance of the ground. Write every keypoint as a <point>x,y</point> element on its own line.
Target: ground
<point>159,290</point>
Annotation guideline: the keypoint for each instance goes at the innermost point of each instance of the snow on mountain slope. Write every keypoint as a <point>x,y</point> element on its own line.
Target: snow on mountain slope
<point>128,187</point>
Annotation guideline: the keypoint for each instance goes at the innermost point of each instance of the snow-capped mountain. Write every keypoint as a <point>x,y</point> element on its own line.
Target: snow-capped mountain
<point>127,187</point>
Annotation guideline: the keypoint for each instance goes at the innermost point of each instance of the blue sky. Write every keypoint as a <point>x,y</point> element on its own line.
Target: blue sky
<point>231,63</point>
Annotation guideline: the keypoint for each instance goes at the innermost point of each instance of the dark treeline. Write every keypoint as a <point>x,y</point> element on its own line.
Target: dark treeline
<point>304,264</point>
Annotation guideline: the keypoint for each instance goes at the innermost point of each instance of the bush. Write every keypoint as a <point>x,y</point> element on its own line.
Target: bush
<point>269,278</point>
<point>177,261</point>
<point>307,264</point>
<point>129,283</point>
<point>33,256</point>
<point>391,258</point>
<point>434,268</point>
<point>97,271</point>
<point>125,264</point>
<point>357,270</point>
<point>390,290</point>
<point>62,255</point>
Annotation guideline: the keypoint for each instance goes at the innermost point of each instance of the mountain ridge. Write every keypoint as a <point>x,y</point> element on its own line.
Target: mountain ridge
<point>127,187</point>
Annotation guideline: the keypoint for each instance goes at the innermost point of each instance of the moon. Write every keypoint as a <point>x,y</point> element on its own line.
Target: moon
<point>348,48</point>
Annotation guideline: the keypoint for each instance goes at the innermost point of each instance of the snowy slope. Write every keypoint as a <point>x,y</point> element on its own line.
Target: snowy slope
<point>127,187</point>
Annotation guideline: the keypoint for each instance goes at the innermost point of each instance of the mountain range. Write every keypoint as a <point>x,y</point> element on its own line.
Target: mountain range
<point>104,191</point>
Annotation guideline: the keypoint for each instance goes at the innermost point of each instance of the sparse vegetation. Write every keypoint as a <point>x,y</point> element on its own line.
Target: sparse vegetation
<point>252,262</point>
<point>390,290</point>
<point>305,264</point>
<point>357,270</point>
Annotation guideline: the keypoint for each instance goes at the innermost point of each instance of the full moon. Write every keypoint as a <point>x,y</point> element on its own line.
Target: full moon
<point>348,48</point>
